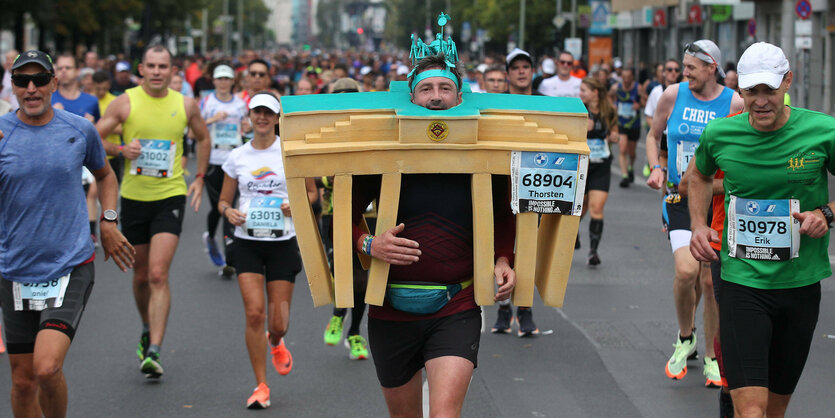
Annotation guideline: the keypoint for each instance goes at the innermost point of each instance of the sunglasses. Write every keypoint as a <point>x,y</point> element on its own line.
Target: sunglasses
<point>567,62</point>
<point>257,74</point>
<point>23,80</point>
<point>693,49</point>
<point>672,70</point>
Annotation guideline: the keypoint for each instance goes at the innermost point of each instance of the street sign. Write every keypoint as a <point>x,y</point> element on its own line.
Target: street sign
<point>803,9</point>
<point>694,16</point>
<point>659,19</point>
<point>574,46</point>
<point>558,21</point>
<point>600,15</point>
<point>752,27</point>
<point>803,42</point>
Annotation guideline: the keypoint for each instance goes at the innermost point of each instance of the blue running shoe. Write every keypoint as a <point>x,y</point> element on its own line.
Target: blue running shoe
<point>214,252</point>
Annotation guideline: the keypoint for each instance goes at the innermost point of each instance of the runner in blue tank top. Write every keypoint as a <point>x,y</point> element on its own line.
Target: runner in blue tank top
<point>684,110</point>
<point>627,101</point>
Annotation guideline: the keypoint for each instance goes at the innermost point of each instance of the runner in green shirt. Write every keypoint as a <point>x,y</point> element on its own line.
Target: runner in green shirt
<point>774,245</point>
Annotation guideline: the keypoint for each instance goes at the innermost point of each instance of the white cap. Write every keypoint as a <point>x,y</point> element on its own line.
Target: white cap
<point>402,70</point>
<point>365,70</point>
<point>223,71</point>
<point>516,53</point>
<point>762,63</point>
<point>710,53</point>
<point>481,68</point>
<point>122,66</point>
<point>266,100</point>
<point>618,63</point>
<point>548,66</point>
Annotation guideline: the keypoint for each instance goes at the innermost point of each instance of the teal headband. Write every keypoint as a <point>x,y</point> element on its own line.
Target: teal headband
<point>435,72</point>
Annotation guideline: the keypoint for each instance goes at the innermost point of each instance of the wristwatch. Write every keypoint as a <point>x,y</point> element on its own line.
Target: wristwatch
<point>110,215</point>
<point>827,213</point>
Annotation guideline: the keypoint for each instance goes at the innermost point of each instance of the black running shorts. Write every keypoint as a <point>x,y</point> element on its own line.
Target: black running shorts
<point>766,334</point>
<point>401,348</point>
<point>632,134</point>
<point>142,220</point>
<point>22,327</point>
<point>600,175</point>
<point>275,260</point>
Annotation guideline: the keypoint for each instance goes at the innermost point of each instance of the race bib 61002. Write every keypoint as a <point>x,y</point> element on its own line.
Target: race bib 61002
<point>763,229</point>
<point>156,159</point>
<point>548,182</point>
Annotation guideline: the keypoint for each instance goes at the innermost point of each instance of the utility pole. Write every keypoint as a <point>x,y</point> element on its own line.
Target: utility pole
<point>204,26</point>
<point>240,26</point>
<point>225,18</point>
<point>522,24</point>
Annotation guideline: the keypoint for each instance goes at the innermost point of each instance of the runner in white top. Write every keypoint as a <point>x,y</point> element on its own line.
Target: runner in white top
<point>265,248</point>
<point>563,84</point>
<point>224,113</point>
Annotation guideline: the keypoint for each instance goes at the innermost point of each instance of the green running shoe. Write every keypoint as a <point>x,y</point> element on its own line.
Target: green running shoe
<point>711,372</point>
<point>358,347</point>
<point>676,367</point>
<point>152,366</point>
<point>142,348</point>
<point>333,333</point>
<point>647,170</point>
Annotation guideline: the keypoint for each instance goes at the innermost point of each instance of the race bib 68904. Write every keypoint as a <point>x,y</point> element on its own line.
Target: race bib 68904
<point>548,182</point>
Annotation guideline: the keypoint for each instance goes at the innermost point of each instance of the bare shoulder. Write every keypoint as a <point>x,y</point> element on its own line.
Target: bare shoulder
<point>191,106</point>
<point>119,107</point>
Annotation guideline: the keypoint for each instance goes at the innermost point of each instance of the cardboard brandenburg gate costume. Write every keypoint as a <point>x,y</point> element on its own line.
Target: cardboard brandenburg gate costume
<point>539,141</point>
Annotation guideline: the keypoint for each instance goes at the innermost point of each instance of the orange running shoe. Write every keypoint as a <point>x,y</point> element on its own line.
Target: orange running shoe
<point>282,359</point>
<point>2,346</point>
<point>260,398</point>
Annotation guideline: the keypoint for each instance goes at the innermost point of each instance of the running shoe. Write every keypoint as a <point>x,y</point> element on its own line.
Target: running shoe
<point>333,333</point>
<point>711,372</point>
<point>152,366</point>
<point>144,343</point>
<point>624,182</point>
<point>647,171</point>
<point>631,174</point>
<point>227,272</point>
<point>676,367</point>
<point>726,405</point>
<point>213,251</point>
<point>2,346</point>
<point>260,398</point>
<point>282,359</point>
<point>593,259</point>
<point>577,242</point>
<point>358,347</point>
<point>502,325</point>
<point>95,240</point>
<point>526,326</point>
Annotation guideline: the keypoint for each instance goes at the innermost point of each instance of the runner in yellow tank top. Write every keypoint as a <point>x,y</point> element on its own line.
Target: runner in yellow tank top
<point>153,119</point>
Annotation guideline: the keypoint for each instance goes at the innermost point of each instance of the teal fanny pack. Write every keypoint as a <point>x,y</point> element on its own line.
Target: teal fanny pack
<point>423,298</point>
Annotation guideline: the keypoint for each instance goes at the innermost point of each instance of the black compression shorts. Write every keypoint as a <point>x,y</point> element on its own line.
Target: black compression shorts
<point>22,327</point>
<point>766,334</point>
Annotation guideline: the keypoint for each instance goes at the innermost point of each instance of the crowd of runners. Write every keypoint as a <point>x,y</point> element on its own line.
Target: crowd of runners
<point>743,181</point>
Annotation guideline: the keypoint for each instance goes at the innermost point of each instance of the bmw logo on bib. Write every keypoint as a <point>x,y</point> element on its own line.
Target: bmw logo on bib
<point>540,159</point>
<point>752,207</point>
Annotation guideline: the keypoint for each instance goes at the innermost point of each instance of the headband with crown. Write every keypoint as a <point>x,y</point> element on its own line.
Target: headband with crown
<point>439,46</point>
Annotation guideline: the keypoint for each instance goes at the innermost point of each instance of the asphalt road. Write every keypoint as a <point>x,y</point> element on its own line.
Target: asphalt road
<point>602,354</point>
